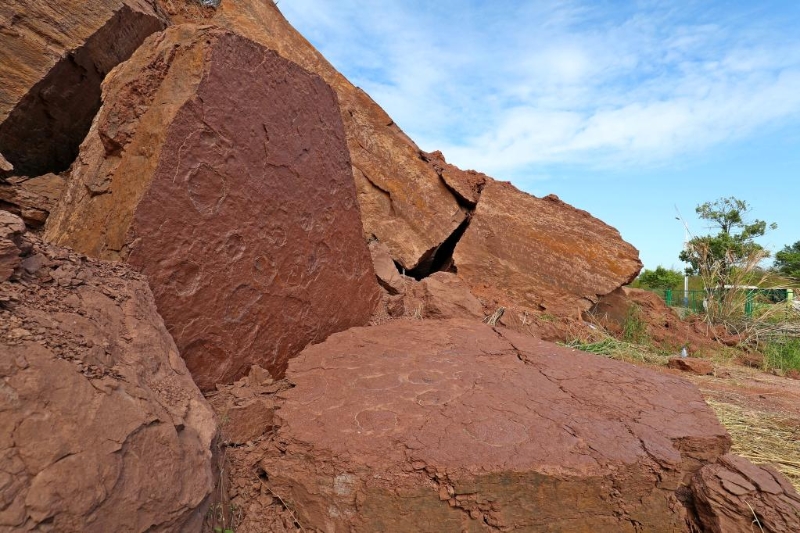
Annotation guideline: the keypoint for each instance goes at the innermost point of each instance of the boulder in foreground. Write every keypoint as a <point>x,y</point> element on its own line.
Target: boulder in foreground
<point>455,426</point>
<point>103,428</point>
<point>221,171</point>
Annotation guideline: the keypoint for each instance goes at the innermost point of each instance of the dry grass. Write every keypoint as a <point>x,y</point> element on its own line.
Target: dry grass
<point>764,438</point>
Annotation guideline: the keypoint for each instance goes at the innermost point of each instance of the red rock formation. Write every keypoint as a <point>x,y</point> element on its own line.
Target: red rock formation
<point>736,496</point>
<point>453,426</point>
<point>31,198</point>
<point>102,427</point>
<point>403,201</point>
<point>701,367</point>
<point>542,253</point>
<point>220,170</point>
<point>53,56</point>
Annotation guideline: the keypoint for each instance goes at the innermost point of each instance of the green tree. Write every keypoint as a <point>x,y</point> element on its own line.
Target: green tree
<point>787,261</point>
<point>733,247</point>
<point>660,278</point>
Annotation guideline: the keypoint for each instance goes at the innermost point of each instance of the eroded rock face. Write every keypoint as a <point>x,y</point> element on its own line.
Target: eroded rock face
<point>455,426</point>
<point>736,496</point>
<point>53,56</point>
<point>31,198</point>
<point>403,201</point>
<point>221,171</point>
<point>103,428</point>
<point>541,252</point>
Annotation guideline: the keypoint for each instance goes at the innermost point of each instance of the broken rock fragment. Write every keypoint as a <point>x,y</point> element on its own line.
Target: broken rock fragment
<point>31,198</point>
<point>103,428</point>
<point>456,426</point>
<point>221,171</point>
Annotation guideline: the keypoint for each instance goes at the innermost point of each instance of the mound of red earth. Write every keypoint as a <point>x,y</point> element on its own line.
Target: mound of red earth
<point>453,425</point>
<point>221,171</point>
<point>53,56</point>
<point>102,427</point>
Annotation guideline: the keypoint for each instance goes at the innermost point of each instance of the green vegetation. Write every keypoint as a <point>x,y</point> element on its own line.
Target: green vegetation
<point>787,261</point>
<point>634,328</point>
<point>782,353</point>
<point>660,278</point>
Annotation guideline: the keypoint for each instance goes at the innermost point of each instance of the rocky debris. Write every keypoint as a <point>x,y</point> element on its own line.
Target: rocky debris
<point>221,171</point>
<point>541,253</point>
<point>13,244</point>
<point>663,326</point>
<point>701,367</point>
<point>103,428</point>
<point>31,198</point>
<point>392,281</point>
<point>736,496</point>
<point>454,425</point>
<point>53,56</point>
<point>404,202</point>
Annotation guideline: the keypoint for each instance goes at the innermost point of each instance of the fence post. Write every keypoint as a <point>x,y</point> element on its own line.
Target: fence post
<point>668,297</point>
<point>748,304</point>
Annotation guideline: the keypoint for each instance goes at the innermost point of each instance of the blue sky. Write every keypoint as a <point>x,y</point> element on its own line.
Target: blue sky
<point>633,111</point>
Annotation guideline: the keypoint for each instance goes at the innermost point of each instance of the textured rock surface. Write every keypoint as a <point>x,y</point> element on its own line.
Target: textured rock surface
<point>53,56</point>
<point>102,427</point>
<point>31,198</point>
<point>701,367</point>
<point>385,270</point>
<point>736,496</point>
<point>455,426</point>
<point>542,253</point>
<point>403,201</point>
<point>12,244</point>
<point>221,171</point>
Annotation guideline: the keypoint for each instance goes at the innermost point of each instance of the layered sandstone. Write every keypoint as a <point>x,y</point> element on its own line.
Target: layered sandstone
<point>103,428</point>
<point>542,253</point>
<point>221,171</point>
<point>53,56</point>
<point>456,426</point>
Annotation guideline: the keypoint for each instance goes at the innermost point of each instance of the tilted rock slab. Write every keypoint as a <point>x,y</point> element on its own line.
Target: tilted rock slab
<point>454,426</point>
<point>103,428</point>
<point>403,200</point>
<point>541,252</point>
<point>53,56</point>
<point>221,171</point>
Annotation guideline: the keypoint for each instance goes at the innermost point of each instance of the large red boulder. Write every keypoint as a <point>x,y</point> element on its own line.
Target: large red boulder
<point>542,253</point>
<point>221,171</point>
<point>455,426</point>
<point>53,56</point>
<point>103,428</point>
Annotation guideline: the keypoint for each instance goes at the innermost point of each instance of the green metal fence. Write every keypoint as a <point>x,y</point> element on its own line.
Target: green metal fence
<point>697,301</point>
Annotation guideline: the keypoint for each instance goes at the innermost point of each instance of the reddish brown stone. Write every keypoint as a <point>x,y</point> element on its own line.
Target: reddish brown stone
<point>466,185</point>
<point>385,270</point>
<point>736,496</point>
<point>542,253</point>
<point>12,229</point>
<point>53,56</point>
<point>220,170</point>
<point>31,198</point>
<point>403,201</point>
<point>102,427</point>
<point>456,426</point>
<point>701,367</point>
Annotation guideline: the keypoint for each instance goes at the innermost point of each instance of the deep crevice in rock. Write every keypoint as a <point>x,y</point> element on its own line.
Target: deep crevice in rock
<point>440,259</point>
<point>44,131</point>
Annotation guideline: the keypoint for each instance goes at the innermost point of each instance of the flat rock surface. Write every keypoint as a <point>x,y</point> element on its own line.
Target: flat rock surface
<point>453,425</point>
<point>221,171</point>
<point>103,428</point>
<point>403,200</point>
<point>53,56</point>
<point>541,252</point>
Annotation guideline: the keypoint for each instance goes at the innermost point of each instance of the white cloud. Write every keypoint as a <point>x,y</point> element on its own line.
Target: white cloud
<point>508,86</point>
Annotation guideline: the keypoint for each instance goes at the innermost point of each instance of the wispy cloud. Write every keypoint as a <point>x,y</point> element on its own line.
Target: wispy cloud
<point>510,88</point>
